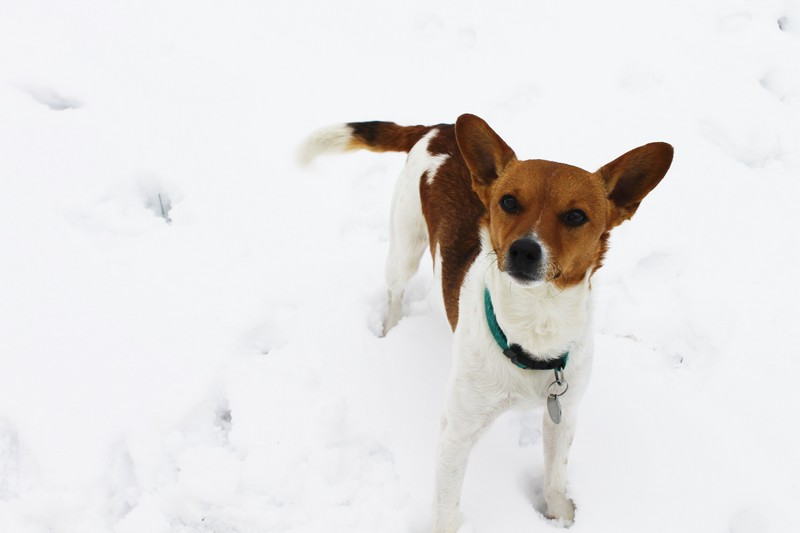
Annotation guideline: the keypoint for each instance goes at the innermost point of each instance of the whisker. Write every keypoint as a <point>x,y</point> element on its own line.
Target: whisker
<point>492,262</point>
<point>554,271</point>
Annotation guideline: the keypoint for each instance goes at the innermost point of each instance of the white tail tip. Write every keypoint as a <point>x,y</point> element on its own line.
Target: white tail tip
<point>332,139</point>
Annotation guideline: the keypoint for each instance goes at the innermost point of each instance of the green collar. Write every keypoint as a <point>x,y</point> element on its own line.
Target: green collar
<point>515,353</point>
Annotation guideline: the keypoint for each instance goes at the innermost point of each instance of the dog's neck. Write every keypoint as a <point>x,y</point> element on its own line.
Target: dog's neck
<point>544,319</point>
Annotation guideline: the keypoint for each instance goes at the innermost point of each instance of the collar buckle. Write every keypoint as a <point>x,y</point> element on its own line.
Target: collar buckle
<point>515,358</point>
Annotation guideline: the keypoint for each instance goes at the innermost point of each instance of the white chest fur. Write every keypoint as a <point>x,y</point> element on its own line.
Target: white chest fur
<point>544,320</point>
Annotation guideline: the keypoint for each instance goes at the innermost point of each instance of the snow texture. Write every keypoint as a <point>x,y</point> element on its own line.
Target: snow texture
<point>188,321</point>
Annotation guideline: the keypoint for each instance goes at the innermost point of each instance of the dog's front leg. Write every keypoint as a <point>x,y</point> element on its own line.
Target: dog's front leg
<point>454,449</point>
<point>557,441</point>
<point>466,417</point>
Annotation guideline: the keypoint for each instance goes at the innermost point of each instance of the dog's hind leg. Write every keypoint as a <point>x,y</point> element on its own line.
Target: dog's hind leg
<point>408,237</point>
<point>408,231</point>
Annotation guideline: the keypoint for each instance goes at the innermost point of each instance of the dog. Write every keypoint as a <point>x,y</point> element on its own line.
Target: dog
<point>515,244</point>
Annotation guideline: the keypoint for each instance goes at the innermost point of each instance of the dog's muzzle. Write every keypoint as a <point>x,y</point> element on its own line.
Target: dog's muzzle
<point>524,260</point>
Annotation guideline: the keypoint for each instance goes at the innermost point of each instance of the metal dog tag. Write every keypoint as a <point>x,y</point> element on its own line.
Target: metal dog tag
<point>554,408</point>
<point>553,405</point>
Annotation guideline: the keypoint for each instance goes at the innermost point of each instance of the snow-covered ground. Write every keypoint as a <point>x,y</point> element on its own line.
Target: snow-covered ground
<point>188,321</point>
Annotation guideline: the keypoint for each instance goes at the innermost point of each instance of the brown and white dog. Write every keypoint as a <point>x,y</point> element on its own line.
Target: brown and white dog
<point>515,244</point>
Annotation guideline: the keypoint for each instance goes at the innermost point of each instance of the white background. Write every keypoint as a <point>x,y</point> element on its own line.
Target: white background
<point>221,373</point>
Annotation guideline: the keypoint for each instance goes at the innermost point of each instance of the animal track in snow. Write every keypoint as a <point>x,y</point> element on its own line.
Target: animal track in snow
<point>224,419</point>
<point>160,204</point>
<point>122,483</point>
<point>787,25</point>
<point>267,336</point>
<point>50,97</point>
<point>753,145</point>
<point>157,197</point>
<point>126,209</point>
<point>783,84</point>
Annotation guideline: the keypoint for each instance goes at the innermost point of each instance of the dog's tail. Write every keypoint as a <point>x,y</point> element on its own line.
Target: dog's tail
<point>374,136</point>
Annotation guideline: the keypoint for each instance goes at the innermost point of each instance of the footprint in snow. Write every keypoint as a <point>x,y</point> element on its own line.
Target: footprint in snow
<point>752,144</point>
<point>224,419</point>
<point>269,335</point>
<point>123,486</point>
<point>789,25</point>
<point>157,196</point>
<point>50,97</point>
<point>783,84</point>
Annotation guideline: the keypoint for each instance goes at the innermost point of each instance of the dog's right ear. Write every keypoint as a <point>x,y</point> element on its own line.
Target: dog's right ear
<point>485,153</point>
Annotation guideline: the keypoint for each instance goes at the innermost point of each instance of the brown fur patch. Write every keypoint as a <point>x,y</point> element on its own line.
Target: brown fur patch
<point>453,213</point>
<point>379,136</point>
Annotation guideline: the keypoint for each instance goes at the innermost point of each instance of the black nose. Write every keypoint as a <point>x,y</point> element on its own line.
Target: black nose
<point>525,257</point>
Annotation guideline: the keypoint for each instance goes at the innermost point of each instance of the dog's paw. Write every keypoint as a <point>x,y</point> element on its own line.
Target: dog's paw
<point>388,324</point>
<point>394,313</point>
<point>561,508</point>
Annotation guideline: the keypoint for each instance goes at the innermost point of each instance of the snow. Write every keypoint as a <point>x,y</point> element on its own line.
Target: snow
<point>188,321</point>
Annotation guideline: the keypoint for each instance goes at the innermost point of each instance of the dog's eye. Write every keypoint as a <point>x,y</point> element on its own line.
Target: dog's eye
<point>574,218</point>
<point>509,204</point>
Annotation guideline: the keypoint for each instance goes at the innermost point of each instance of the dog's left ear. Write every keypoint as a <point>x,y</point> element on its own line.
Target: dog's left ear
<point>630,177</point>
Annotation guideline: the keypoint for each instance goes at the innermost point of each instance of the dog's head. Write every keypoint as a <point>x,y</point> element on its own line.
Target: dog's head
<point>549,222</point>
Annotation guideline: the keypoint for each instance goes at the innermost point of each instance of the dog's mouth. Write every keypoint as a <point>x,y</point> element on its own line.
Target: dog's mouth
<point>525,278</point>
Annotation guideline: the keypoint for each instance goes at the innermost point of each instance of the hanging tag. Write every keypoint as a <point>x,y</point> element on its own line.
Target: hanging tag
<point>554,408</point>
<point>553,404</point>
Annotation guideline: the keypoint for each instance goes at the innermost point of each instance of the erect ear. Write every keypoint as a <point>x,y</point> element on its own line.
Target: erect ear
<point>485,153</point>
<point>630,177</point>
